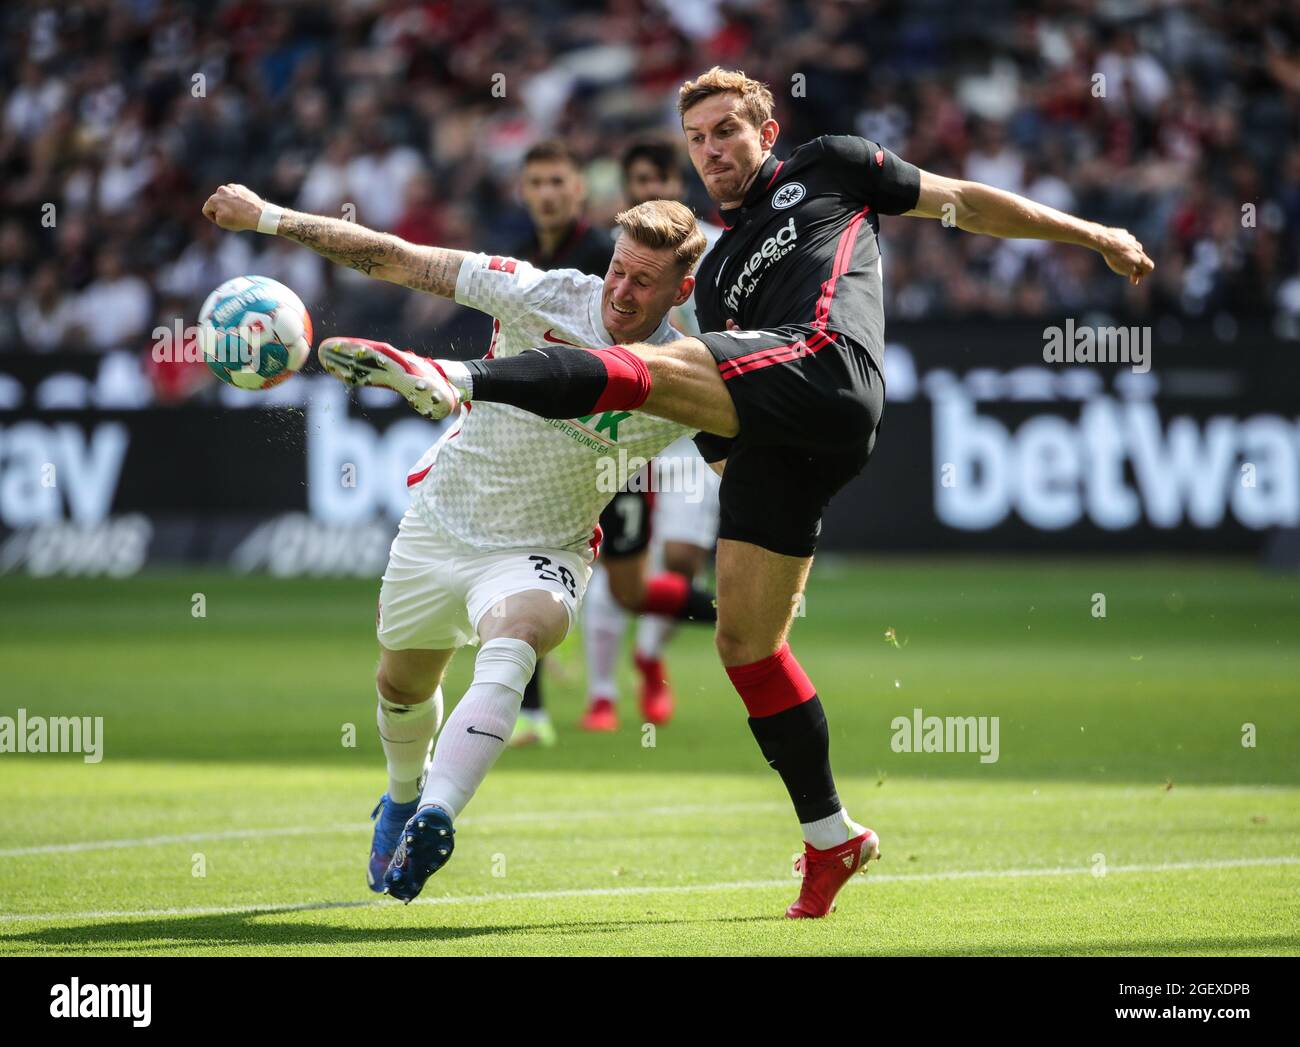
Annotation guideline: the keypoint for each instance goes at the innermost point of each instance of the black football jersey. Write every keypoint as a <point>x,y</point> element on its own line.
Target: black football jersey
<point>802,247</point>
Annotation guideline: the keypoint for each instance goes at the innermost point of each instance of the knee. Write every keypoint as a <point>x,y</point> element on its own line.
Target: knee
<point>533,633</point>
<point>681,558</point>
<point>530,633</point>
<point>628,590</point>
<point>734,648</point>
<point>390,691</point>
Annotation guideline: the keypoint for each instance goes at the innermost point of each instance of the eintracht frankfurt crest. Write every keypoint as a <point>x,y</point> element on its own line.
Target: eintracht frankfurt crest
<point>788,195</point>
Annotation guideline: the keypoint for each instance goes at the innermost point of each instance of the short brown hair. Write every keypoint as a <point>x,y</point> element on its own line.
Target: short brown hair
<point>756,102</point>
<point>551,150</point>
<point>665,223</point>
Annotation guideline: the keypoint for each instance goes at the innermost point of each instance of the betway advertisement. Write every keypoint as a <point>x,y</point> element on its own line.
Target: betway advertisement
<point>996,437</point>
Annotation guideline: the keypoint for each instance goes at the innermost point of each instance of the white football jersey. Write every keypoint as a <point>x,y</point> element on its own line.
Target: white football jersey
<point>502,478</point>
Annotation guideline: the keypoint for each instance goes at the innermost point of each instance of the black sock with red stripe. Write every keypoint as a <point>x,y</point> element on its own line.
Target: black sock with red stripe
<point>563,383</point>
<point>789,724</point>
<point>674,596</point>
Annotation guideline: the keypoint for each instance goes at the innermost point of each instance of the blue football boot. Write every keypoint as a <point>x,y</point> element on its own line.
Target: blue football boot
<point>389,817</point>
<point>423,848</point>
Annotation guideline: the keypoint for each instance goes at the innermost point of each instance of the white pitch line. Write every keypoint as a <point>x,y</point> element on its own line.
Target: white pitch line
<point>506,818</point>
<point>626,892</point>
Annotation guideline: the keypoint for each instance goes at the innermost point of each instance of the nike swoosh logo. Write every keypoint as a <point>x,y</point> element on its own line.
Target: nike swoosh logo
<point>486,734</point>
<point>559,341</point>
<point>717,279</point>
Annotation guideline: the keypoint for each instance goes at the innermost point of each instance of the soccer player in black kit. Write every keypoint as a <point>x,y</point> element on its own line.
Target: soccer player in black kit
<point>786,391</point>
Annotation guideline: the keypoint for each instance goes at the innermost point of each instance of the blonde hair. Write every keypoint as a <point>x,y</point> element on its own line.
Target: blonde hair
<point>665,223</point>
<point>756,102</point>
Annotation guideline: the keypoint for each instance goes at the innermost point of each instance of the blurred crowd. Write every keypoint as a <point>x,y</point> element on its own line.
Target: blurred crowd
<point>1178,120</point>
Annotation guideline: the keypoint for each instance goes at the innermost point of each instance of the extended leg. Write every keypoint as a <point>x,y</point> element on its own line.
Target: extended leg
<point>678,381</point>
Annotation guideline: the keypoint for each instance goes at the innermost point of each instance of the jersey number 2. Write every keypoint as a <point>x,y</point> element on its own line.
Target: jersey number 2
<point>542,565</point>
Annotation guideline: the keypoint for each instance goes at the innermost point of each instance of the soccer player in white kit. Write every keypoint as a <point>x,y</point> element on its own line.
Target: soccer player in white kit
<point>678,521</point>
<point>502,529</point>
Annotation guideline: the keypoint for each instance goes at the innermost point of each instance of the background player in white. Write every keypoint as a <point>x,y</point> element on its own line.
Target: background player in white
<point>503,525</point>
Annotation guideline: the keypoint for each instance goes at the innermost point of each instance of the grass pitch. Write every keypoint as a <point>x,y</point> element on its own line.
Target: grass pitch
<point>1124,814</point>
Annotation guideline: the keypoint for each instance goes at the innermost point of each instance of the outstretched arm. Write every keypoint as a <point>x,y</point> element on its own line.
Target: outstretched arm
<point>978,208</point>
<point>380,255</point>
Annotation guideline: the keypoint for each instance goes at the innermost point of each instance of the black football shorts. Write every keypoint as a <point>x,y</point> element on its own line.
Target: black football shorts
<point>809,403</point>
<point>625,524</point>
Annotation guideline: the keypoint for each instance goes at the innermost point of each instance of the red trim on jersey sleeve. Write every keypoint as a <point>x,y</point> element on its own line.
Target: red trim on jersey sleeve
<point>780,164</point>
<point>415,478</point>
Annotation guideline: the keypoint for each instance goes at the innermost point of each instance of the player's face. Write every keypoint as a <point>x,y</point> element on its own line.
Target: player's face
<point>642,284</point>
<point>644,181</point>
<point>552,192</point>
<point>726,149</point>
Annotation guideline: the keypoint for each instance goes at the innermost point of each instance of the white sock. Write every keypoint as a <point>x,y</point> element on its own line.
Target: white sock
<point>603,625</point>
<point>406,732</point>
<point>652,632</point>
<point>458,375</point>
<point>479,726</point>
<point>831,831</point>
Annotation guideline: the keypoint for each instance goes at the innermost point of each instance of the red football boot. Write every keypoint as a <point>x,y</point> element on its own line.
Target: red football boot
<point>600,716</point>
<point>656,695</point>
<point>825,872</point>
<point>363,361</point>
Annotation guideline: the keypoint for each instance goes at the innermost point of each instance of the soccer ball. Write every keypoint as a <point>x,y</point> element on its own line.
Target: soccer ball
<point>254,332</point>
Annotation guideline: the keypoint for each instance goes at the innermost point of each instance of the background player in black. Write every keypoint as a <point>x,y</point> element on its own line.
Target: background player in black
<point>793,388</point>
<point>554,193</point>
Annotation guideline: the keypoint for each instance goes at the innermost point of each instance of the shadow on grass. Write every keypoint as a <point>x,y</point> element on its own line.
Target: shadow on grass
<point>225,931</point>
<point>194,935</point>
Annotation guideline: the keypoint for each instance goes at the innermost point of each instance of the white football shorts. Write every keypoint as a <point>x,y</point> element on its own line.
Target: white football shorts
<point>686,497</point>
<point>436,588</point>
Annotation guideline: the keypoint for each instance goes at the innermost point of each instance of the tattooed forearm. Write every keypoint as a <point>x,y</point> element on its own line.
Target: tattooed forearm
<point>346,243</point>
<point>437,271</point>
<point>380,255</point>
